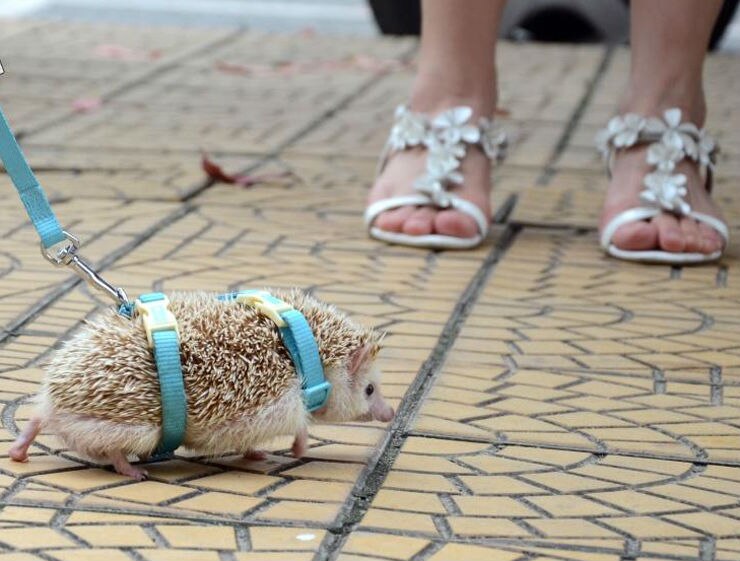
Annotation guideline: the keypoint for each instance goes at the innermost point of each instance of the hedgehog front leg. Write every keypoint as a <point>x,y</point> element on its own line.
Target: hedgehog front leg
<point>300,444</point>
<point>19,450</point>
<point>121,465</point>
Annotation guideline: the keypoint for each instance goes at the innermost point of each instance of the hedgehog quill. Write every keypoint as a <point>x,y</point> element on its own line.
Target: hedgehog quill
<point>100,393</point>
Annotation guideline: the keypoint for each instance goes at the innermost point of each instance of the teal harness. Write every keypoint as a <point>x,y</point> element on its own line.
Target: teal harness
<point>160,325</point>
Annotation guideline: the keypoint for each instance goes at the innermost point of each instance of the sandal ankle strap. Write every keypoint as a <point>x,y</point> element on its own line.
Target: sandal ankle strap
<point>446,137</point>
<point>670,141</point>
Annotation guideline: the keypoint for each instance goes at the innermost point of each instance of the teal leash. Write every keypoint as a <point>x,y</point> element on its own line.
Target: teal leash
<point>57,246</point>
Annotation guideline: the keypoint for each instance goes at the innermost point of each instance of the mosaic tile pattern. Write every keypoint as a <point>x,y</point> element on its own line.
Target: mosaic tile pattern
<point>553,404</point>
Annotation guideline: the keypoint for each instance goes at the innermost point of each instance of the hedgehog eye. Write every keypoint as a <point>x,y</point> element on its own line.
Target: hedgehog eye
<point>369,390</point>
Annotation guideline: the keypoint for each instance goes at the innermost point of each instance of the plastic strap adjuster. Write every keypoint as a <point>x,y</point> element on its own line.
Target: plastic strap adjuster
<point>163,337</point>
<point>265,303</point>
<point>298,339</point>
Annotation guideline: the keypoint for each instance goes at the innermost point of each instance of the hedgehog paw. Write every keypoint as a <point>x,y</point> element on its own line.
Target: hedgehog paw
<point>300,444</point>
<point>19,450</point>
<point>255,455</point>
<point>121,465</point>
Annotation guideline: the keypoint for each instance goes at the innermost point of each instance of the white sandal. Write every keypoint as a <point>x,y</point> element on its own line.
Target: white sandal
<point>670,141</point>
<point>446,137</point>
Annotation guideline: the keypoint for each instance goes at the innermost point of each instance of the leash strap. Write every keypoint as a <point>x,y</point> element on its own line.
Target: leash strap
<point>31,193</point>
<point>298,339</point>
<point>163,337</point>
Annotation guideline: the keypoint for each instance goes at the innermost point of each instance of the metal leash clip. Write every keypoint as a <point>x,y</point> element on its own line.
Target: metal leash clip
<point>67,257</point>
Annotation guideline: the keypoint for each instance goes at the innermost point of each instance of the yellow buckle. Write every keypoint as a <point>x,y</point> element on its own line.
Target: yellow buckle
<point>272,310</point>
<point>156,316</point>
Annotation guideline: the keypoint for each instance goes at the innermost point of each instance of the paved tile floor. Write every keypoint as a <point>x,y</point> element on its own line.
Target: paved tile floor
<point>553,404</point>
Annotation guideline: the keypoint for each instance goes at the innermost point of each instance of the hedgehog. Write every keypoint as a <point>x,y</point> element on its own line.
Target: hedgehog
<point>100,392</point>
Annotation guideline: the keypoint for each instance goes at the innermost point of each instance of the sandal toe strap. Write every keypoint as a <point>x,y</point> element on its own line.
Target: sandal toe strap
<point>644,213</point>
<point>455,202</point>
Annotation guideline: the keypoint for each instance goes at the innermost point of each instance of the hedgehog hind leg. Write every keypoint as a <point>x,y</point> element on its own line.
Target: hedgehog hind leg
<point>19,450</point>
<point>255,455</point>
<point>122,466</point>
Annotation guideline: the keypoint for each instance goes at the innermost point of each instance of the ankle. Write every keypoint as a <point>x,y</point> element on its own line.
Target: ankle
<point>435,91</point>
<point>653,100</point>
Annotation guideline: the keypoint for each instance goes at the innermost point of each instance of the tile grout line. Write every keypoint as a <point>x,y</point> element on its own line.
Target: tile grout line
<point>575,118</point>
<point>374,474</point>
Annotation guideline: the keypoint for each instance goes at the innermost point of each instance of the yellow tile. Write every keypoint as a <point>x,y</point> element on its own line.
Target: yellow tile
<point>151,492</point>
<point>644,527</point>
<point>500,464</point>
<point>113,536</point>
<point>407,500</point>
<point>348,434</point>
<point>195,537</point>
<point>235,482</point>
<point>219,503</point>
<point>82,480</point>
<point>178,555</point>
<point>440,447</point>
<point>568,482</point>
<point>493,507</point>
<point>498,485</point>
<point>571,506</point>
<point>31,538</point>
<point>89,555</point>
<point>326,470</point>
<point>458,552</point>
<point>273,556</point>
<point>712,523</point>
<point>88,517</point>
<point>292,539</point>
<point>299,510</point>
<point>486,527</point>
<point>393,520</point>
<point>304,489</point>
<point>569,528</point>
<point>417,462</point>
<point>411,481</point>
<point>639,503</point>
<point>26,514</point>
<point>393,547</point>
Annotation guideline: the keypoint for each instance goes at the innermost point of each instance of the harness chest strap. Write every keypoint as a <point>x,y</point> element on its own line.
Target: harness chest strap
<point>163,337</point>
<point>297,338</point>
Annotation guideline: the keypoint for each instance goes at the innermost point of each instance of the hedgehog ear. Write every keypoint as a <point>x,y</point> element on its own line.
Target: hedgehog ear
<point>359,357</point>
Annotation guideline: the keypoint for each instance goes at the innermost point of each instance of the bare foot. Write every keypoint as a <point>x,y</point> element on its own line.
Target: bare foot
<point>255,455</point>
<point>122,466</point>
<point>666,231</point>
<point>404,167</point>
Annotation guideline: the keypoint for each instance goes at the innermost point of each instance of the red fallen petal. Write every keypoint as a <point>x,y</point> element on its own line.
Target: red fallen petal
<point>501,112</point>
<point>83,105</point>
<point>216,172</point>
